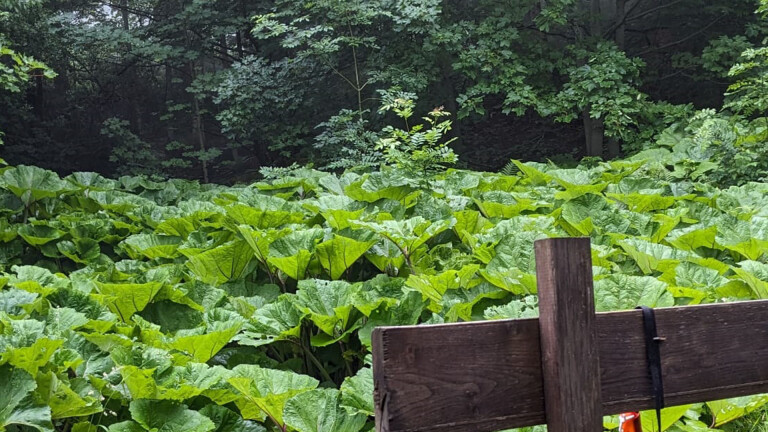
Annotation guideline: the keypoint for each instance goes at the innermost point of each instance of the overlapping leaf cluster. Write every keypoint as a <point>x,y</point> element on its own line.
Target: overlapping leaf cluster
<point>129,305</point>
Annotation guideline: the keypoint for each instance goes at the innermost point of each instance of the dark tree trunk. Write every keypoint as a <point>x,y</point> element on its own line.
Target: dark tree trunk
<point>594,132</point>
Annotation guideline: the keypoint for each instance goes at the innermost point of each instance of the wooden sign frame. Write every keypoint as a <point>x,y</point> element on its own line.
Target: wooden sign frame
<point>567,368</point>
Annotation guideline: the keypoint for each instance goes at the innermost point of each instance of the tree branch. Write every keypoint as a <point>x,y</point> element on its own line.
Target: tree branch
<point>134,11</point>
<point>623,20</point>
<point>678,42</point>
<point>654,9</point>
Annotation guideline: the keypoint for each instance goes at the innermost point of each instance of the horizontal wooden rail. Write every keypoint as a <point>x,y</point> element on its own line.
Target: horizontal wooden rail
<point>486,376</point>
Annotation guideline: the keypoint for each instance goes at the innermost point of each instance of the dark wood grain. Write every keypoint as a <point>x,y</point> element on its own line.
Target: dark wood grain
<point>487,376</point>
<point>568,333</point>
<point>710,352</point>
<point>449,377</point>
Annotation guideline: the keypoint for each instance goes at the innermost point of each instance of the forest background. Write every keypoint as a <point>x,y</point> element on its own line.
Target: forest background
<point>245,189</point>
<point>216,90</point>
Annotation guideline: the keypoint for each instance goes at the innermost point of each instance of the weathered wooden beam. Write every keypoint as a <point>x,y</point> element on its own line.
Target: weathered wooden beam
<point>481,376</point>
<point>486,376</point>
<point>568,334</point>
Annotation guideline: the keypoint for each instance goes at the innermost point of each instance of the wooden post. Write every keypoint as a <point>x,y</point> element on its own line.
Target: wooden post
<point>568,335</point>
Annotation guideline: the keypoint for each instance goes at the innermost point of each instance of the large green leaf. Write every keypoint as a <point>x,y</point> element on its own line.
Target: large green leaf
<point>16,405</point>
<point>386,256</point>
<point>381,185</point>
<point>167,416</point>
<point>320,411</point>
<point>461,303</point>
<point>651,257</point>
<point>12,300</point>
<point>193,379</point>
<point>726,410</point>
<point>357,393</point>
<point>469,223</point>
<point>37,235</point>
<point>126,426</point>
<point>71,398</point>
<point>32,358</point>
<point>750,239</point>
<point>340,219</point>
<point>32,183</point>
<point>203,347</point>
<point>497,204</point>
<point>227,420</point>
<point>591,212</point>
<point>620,291</point>
<point>90,181</point>
<point>151,246</point>
<point>527,307</point>
<point>755,274</point>
<point>263,218</point>
<point>222,264</point>
<point>292,252</point>
<point>338,254</point>
<point>127,299</point>
<point>83,251</point>
<point>275,321</point>
<point>264,392</point>
<point>408,234</point>
<point>669,416</point>
<point>328,304</point>
<point>693,237</point>
<point>644,202</point>
<point>433,287</point>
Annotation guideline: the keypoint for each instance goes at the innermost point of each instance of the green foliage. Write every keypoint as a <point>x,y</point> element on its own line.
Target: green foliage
<point>604,82</point>
<point>419,150</point>
<point>249,89</point>
<point>347,142</point>
<point>131,305</point>
<point>16,69</point>
<point>717,148</point>
<point>129,152</point>
<point>136,305</point>
<point>215,90</point>
<point>748,95</point>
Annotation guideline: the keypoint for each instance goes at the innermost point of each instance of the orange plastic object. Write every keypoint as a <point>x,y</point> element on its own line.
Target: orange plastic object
<point>630,422</point>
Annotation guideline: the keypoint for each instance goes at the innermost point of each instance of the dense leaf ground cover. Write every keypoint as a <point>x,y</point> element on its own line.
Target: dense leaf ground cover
<point>129,305</point>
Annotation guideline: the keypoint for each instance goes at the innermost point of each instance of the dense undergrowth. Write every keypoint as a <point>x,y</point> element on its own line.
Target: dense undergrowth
<point>130,305</point>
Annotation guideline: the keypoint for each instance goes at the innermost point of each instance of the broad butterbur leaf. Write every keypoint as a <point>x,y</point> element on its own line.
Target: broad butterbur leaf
<point>726,410</point>
<point>37,235</point>
<point>264,218</point>
<point>433,287</point>
<point>13,300</point>
<point>151,246</point>
<point>754,274</point>
<point>408,234</point>
<point>32,183</point>
<point>166,416</point>
<point>16,405</point>
<point>620,292</point>
<point>264,392</point>
<point>320,411</point>
<point>32,358</point>
<point>72,398</point>
<point>328,304</point>
<point>292,252</point>
<point>357,393</point>
<point>127,299</point>
<point>338,254</point>
<point>275,321</point>
<point>203,347</point>
<point>222,264</point>
<point>227,420</point>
